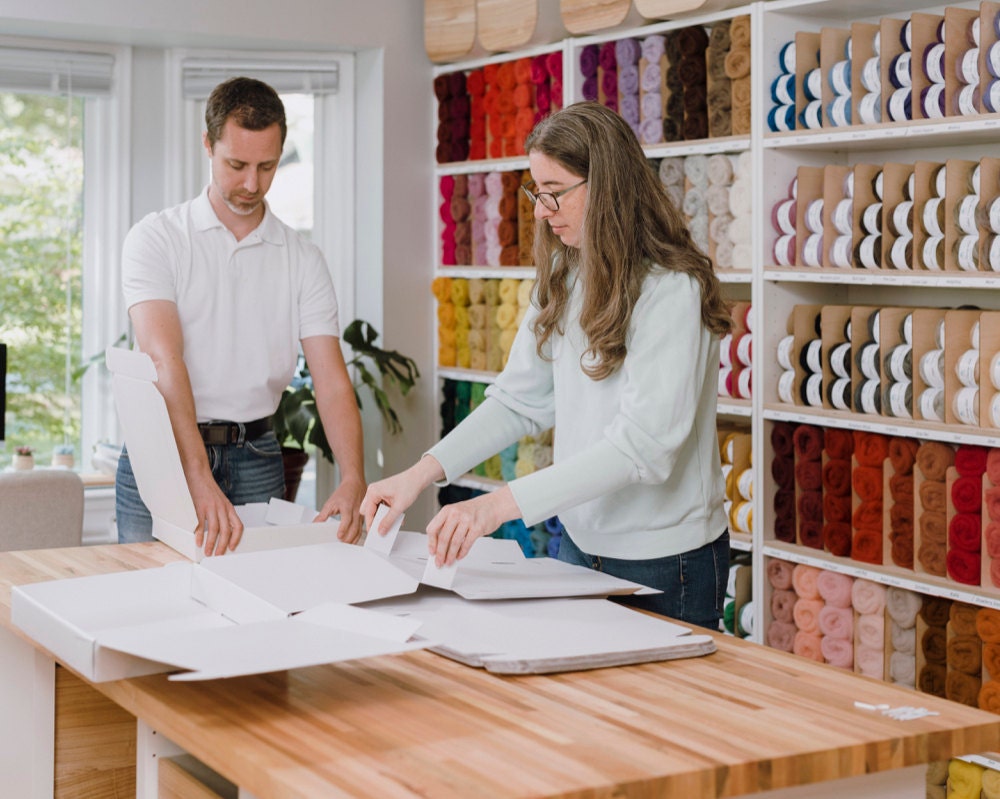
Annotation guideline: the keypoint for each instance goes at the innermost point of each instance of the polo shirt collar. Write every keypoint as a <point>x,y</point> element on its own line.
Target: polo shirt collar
<point>205,218</point>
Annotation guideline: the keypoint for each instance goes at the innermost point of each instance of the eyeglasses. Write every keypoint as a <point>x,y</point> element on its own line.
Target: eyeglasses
<point>549,199</point>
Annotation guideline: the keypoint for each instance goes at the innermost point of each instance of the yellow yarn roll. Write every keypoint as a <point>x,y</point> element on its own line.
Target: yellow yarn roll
<point>991,784</point>
<point>741,517</point>
<point>507,316</point>
<point>491,291</point>
<point>441,288</point>
<point>524,292</point>
<point>477,360</point>
<point>446,336</point>
<point>447,355</point>
<point>477,340</point>
<point>508,290</point>
<point>460,291</point>
<point>525,463</point>
<point>462,337</point>
<point>461,317</point>
<point>464,358</point>
<point>731,484</point>
<point>477,316</point>
<point>493,470</point>
<point>965,780</point>
<point>477,290</point>
<point>446,314</point>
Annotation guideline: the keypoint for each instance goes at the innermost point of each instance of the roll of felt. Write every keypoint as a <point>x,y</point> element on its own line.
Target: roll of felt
<point>837,651</point>
<point>933,460</point>
<point>804,581</point>
<point>903,606</point>
<point>834,588</point>
<point>808,645</point>
<point>780,574</point>
<point>805,614</point>
<point>781,635</point>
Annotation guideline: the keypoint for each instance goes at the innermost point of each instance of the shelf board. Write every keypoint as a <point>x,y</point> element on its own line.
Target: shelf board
<point>485,165</point>
<point>472,375</point>
<point>909,428</point>
<point>485,271</point>
<point>722,144</point>
<point>920,133</point>
<point>886,575</point>
<point>733,406</point>
<point>734,275</point>
<point>740,541</point>
<point>883,277</point>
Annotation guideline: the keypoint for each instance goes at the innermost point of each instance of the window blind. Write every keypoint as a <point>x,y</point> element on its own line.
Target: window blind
<point>55,72</point>
<point>200,76</point>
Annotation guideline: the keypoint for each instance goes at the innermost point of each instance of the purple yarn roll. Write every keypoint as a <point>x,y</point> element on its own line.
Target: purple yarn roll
<point>651,78</point>
<point>589,56</point>
<point>589,88</point>
<point>653,47</point>
<point>628,79</point>
<point>650,131</point>
<point>628,107</point>
<point>609,84</point>
<point>606,57</point>
<point>627,51</point>
<point>651,107</point>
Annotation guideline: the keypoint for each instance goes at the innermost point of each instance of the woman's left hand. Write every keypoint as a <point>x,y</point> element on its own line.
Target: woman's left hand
<point>455,528</point>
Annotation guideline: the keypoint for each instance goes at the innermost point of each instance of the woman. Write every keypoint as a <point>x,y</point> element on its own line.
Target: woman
<point>620,352</point>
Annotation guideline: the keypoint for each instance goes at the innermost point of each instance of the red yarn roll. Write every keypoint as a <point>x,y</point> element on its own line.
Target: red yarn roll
<point>965,532</point>
<point>866,545</point>
<point>782,438</point>
<point>967,494</point>
<point>838,443</point>
<point>993,466</point>
<point>810,506</point>
<point>809,475</point>
<point>837,508</point>
<point>903,454</point>
<point>901,488</point>
<point>837,476</point>
<point>811,534</point>
<point>970,460</point>
<point>901,549</point>
<point>837,538</point>
<point>992,500</point>
<point>783,472</point>
<point>964,567</point>
<point>808,441</point>
<point>870,449</point>
<point>868,515</point>
<point>475,83</point>
<point>992,536</point>
<point>867,482</point>
<point>522,70</point>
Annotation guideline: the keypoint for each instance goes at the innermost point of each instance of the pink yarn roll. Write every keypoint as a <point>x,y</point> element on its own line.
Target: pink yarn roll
<point>808,645</point>
<point>783,605</point>
<point>835,588</point>
<point>870,629</point>
<point>837,651</point>
<point>781,635</point>
<point>804,581</point>
<point>868,597</point>
<point>870,662</point>
<point>779,573</point>
<point>806,614</point>
<point>836,622</point>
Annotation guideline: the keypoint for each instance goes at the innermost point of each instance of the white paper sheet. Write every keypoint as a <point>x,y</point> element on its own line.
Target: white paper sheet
<point>376,541</point>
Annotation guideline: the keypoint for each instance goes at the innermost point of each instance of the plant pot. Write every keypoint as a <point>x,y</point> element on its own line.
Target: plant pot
<point>295,461</point>
<point>63,459</point>
<point>22,463</point>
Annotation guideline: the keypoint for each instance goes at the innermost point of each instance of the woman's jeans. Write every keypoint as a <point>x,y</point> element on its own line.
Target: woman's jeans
<point>693,583</point>
<point>251,472</point>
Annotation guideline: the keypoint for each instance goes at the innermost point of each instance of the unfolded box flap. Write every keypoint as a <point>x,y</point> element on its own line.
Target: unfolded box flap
<point>299,578</point>
<point>241,649</point>
<point>496,568</point>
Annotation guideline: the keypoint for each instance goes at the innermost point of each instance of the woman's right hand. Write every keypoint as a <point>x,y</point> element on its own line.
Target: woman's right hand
<point>399,492</point>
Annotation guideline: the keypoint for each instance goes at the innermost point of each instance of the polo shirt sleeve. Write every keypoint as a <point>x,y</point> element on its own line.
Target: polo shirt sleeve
<point>146,272</point>
<point>318,312</point>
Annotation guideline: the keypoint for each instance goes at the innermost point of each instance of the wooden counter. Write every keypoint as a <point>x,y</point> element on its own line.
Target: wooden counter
<point>744,719</point>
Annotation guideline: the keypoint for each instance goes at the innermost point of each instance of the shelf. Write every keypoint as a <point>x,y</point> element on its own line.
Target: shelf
<point>883,277</point>
<point>732,406</point>
<point>886,575</point>
<point>472,375</point>
<point>722,144</point>
<point>909,428</point>
<point>740,541</point>
<point>519,272</point>
<point>980,129</point>
<point>734,275</point>
<point>485,165</point>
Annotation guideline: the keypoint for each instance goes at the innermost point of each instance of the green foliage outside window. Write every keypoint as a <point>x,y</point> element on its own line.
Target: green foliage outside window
<point>41,243</point>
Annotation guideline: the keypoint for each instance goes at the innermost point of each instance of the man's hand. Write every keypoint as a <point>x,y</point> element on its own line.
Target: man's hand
<point>345,501</point>
<point>219,527</point>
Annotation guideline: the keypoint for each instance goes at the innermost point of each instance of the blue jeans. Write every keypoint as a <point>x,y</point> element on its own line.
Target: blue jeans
<point>252,472</point>
<point>693,583</point>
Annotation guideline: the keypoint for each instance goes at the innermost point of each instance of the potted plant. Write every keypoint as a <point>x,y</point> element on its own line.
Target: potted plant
<point>62,455</point>
<point>24,459</point>
<point>297,422</point>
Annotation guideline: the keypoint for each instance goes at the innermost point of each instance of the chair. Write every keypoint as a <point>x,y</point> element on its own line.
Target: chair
<point>40,509</point>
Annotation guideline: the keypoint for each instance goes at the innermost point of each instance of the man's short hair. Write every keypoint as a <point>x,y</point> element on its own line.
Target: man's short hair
<point>250,103</point>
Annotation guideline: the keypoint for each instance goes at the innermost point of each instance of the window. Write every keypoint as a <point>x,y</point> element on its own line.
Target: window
<point>60,121</point>
<point>312,190</point>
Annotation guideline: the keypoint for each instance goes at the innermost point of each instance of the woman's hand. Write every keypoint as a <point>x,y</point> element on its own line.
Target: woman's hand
<point>399,492</point>
<point>454,530</point>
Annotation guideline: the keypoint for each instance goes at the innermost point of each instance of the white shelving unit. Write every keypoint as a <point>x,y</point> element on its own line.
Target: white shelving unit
<point>773,290</point>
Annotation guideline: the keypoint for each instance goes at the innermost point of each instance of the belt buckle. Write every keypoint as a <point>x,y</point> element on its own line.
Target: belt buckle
<point>216,435</point>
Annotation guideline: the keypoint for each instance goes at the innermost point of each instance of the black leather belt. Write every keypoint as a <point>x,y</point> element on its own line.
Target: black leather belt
<point>221,433</point>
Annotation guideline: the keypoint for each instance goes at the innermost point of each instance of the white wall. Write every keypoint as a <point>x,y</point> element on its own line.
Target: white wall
<point>395,247</point>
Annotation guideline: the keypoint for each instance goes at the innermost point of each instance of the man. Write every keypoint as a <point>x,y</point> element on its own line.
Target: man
<point>221,293</point>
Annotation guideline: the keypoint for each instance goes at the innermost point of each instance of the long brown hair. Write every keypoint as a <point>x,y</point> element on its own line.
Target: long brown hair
<point>630,228</point>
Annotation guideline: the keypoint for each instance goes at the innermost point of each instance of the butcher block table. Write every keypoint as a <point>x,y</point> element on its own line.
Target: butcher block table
<point>742,720</point>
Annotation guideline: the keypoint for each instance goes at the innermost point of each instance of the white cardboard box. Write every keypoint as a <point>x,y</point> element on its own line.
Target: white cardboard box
<point>160,476</point>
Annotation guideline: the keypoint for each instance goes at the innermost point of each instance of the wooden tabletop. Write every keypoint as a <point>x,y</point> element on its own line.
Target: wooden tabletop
<point>744,719</point>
